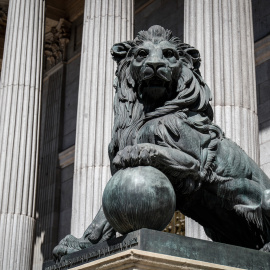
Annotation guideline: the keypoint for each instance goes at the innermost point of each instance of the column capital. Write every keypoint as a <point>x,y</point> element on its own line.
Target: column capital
<point>56,40</point>
<point>3,15</point>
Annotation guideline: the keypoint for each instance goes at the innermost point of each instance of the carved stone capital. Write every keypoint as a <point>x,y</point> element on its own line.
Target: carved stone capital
<point>55,43</point>
<point>3,16</point>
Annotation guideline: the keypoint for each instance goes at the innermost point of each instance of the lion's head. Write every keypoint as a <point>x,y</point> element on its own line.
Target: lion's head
<point>160,71</point>
<point>157,74</point>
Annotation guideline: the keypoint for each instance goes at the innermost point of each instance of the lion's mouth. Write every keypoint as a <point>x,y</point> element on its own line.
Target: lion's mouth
<point>154,88</point>
<point>155,82</point>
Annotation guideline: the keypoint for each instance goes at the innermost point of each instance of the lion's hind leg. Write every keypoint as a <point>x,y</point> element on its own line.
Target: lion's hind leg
<point>266,202</point>
<point>266,213</point>
<point>257,213</point>
<point>244,196</point>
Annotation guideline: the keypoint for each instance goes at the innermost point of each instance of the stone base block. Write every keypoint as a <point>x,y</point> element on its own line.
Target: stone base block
<point>134,259</point>
<point>148,249</point>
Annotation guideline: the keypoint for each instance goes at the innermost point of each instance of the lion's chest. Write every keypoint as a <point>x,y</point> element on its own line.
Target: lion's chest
<point>172,132</point>
<point>147,133</point>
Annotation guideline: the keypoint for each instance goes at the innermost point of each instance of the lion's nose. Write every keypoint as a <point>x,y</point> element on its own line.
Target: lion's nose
<point>155,65</point>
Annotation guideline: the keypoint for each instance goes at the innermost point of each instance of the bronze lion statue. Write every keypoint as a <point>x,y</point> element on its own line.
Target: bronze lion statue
<point>163,119</point>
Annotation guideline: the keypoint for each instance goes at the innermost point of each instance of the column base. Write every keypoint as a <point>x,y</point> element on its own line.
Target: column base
<point>148,249</point>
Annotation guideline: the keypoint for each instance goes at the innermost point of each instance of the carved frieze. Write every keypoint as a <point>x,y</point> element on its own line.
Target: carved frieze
<point>55,43</point>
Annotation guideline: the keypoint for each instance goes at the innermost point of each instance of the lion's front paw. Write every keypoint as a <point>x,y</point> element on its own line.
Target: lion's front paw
<point>66,246</point>
<point>136,155</point>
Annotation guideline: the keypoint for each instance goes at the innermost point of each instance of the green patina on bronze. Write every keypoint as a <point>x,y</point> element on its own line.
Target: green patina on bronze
<point>163,119</point>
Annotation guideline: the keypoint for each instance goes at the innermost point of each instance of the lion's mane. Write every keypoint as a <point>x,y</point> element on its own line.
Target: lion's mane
<point>193,94</point>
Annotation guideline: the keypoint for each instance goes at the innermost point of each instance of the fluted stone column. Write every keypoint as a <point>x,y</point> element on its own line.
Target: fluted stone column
<point>105,23</point>
<point>19,131</point>
<point>222,30</point>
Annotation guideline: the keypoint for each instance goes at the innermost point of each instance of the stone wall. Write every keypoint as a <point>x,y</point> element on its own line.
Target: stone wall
<point>70,101</point>
<point>72,84</point>
<point>169,14</point>
<point>261,18</point>
<point>65,201</point>
<point>261,25</point>
<point>47,204</point>
<point>263,100</point>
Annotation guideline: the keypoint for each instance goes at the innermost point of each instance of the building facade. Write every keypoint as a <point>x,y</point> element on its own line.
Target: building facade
<point>57,99</point>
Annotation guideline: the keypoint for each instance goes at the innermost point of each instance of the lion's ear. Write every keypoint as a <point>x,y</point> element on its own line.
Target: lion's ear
<point>192,55</point>
<point>119,51</point>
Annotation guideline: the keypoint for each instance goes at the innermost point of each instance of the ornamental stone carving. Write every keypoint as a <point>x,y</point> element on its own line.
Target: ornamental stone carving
<point>3,16</point>
<point>55,43</point>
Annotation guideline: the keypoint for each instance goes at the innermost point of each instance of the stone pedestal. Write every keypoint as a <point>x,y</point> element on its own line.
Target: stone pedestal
<point>105,23</point>
<point>134,259</point>
<point>20,95</point>
<point>222,31</point>
<point>148,249</point>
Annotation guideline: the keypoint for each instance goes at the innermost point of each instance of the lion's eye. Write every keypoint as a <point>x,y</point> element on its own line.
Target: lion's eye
<point>168,53</point>
<point>142,53</point>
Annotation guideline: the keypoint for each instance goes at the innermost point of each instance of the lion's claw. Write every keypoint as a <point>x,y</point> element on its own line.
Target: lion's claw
<point>98,231</point>
<point>136,155</point>
<point>66,246</point>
